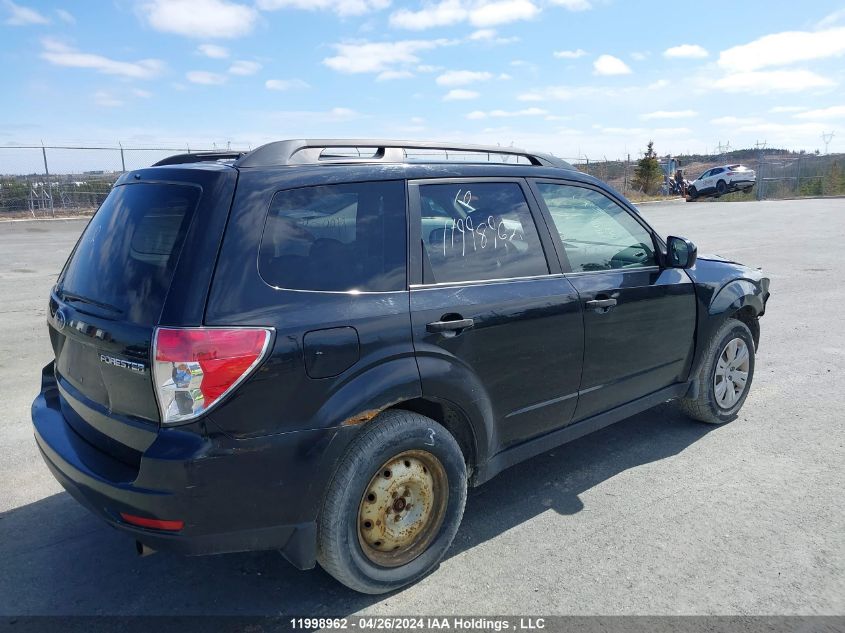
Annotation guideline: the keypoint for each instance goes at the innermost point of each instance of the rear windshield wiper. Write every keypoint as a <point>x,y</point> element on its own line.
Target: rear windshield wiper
<point>69,296</point>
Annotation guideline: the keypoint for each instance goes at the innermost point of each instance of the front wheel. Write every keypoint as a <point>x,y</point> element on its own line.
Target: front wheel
<point>393,505</point>
<point>721,187</point>
<point>692,194</point>
<point>725,375</point>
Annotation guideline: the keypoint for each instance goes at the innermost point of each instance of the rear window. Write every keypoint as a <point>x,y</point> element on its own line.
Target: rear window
<point>124,261</point>
<point>336,237</point>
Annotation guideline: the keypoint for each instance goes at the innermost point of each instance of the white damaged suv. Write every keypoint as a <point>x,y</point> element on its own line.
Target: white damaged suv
<point>721,180</point>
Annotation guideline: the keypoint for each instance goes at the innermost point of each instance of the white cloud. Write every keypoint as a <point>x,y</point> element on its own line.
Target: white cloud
<point>483,34</point>
<point>376,57</point>
<point>213,50</point>
<point>670,114</point>
<point>390,75</point>
<point>660,83</point>
<point>459,94</point>
<point>65,16</point>
<point>762,82</point>
<point>566,93</point>
<point>334,115</point>
<point>500,114</point>
<point>490,36</point>
<point>143,94</point>
<point>200,18</point>
<point>19,15</point>
<point>205,77</point>
<point>832,18</point>
<point>779,109</point>
<point>286,84</point>
<point>686,51</point>
<point>833,112</point>
<point>570,54</point>
<point>340,7</point>
<point>574,5</point>
<point>481,13</point>
<point>502,12</point>
<point>734,121</point>
<point>106,99</point>
<point>244,67</point>
<point>639,56</point>
<point>644,133</point>
<point>60,54</point>
<point>610,65</point>
<point>462,77</point>
<point>784,48</point>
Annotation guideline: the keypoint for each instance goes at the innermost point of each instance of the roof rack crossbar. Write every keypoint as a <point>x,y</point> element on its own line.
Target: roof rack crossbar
<point>198,157</point>
<point>310,151</point>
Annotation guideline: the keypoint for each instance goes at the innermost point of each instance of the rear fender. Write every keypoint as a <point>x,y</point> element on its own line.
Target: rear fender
<point>446,378</point>
<point>369,393</point>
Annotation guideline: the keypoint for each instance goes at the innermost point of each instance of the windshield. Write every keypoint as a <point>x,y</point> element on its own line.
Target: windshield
<point>123,263</point>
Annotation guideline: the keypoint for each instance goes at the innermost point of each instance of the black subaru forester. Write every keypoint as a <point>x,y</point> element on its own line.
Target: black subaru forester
<point>317,346</point>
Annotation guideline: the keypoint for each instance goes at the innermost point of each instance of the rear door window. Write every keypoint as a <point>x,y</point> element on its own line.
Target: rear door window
<point>475,231</point>
<point>336,238</point>
<point>124,261</point>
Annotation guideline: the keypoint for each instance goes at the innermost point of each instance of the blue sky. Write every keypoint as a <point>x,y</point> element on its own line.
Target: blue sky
<point>578,78</point>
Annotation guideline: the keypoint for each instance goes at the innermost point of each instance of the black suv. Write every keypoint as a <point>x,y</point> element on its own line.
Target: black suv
<point>317,346</point>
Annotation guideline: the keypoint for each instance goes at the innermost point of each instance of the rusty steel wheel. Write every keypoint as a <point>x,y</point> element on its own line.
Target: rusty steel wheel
<point>402,508</point>
<point>379,530</point>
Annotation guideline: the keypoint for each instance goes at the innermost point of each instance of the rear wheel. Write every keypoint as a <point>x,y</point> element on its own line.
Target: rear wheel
<point>725,376</point>
<point>393,505</point>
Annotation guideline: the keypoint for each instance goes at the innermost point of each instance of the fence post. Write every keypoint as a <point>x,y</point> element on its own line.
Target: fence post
<point>760,176</point>
<point>122,161</point>
<point>47,178</point>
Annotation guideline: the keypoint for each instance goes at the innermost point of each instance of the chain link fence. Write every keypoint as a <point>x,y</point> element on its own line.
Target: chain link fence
<point>779,174</point>
<point>48,181</point>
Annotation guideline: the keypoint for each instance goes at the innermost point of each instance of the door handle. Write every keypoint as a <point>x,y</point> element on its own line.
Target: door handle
<point>449,326</point>
<point>601,304</point>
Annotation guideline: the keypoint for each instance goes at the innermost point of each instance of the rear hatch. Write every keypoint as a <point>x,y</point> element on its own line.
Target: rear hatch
<point>112,294</point>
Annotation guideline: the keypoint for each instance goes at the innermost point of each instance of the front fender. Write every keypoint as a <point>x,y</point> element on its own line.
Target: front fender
<point>736,295</point>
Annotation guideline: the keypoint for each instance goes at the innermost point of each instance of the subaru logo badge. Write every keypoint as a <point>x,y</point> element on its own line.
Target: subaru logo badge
<point>61,320</point>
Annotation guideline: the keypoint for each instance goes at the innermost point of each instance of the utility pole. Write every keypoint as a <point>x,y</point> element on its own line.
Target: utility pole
<point>760,147</point>
<point>827,137</point>
<point>48,183</point>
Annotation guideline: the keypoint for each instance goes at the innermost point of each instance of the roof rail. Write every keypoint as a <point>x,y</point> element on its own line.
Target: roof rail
<point>198,157</point>
<point>309,152</point>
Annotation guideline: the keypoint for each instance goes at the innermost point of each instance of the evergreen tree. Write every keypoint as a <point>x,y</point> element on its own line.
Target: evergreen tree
<point>647,173</point>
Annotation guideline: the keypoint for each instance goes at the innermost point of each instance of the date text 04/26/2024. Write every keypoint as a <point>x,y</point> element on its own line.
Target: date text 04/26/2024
<point>421,623</point>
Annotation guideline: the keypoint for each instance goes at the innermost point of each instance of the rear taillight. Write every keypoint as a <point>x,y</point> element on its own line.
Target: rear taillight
<point>194,368</point>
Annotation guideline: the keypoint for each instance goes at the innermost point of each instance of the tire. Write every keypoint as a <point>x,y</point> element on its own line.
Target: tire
<point>692,194</point>
<point>721,187</point>
<point>709,407</point>
<point>362,496</point>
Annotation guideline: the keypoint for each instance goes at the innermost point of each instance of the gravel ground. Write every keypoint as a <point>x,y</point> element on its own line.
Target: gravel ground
<point>655,515</point>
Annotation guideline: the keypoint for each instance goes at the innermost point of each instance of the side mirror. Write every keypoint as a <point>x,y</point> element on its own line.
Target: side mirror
<point>680,252</point>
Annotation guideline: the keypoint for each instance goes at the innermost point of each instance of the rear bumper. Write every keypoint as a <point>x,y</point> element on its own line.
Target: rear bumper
<point>738,183</point>
<point>233,495</point>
